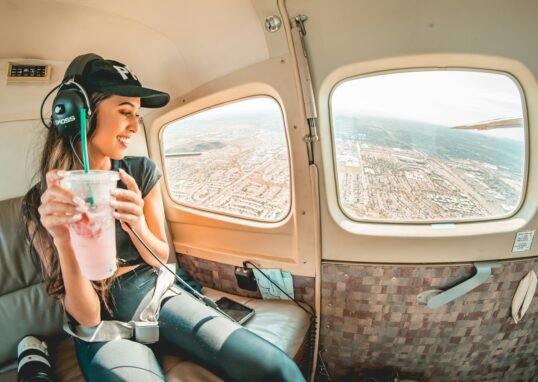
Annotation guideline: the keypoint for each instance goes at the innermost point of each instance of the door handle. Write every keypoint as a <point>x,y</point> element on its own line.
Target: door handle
<point>435,298</point>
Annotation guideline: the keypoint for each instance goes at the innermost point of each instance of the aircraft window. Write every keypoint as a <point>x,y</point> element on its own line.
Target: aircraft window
<point>429,146</point>
<point>231,159</point>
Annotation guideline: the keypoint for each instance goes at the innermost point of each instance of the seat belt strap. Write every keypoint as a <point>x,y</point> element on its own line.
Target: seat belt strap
<point>104,331</point>
<point>144,327</point>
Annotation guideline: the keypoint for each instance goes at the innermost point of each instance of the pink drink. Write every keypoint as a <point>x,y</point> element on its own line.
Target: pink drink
<point>94,241</point>
<point>94,236</point>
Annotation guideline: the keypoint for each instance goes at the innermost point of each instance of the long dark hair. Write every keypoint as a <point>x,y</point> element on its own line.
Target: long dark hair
<point>58,153</point>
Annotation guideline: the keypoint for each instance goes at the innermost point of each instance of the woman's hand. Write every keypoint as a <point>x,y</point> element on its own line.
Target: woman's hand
<point>59,207</point>
<point>128,204</point>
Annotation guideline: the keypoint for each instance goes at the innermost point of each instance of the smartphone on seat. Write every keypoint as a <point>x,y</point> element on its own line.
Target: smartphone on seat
<point>237,311</point>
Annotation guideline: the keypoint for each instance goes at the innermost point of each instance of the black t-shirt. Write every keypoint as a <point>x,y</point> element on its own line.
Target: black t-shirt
<point>146,175</point>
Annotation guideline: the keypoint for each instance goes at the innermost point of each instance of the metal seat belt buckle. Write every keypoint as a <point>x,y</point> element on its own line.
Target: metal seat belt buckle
<point>146,332</point>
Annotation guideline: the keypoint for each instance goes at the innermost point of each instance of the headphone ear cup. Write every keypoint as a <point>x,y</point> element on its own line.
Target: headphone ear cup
<point>66,111</point>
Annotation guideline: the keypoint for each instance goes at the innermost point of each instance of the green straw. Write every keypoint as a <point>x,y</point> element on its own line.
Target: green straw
<point>84,148</point>
<point>84,144</point>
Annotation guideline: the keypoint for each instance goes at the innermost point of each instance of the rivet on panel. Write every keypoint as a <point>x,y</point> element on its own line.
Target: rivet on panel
<point>273,23</point>
<point>295,126</point>
<point>303,212</point>
<point>346,276</point>
<point>183,100</point>
<point>282,61</point>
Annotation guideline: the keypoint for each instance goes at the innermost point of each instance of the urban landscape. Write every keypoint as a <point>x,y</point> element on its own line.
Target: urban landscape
<point>238,167</point>
<point>387,172</point>
<point>386,169</point>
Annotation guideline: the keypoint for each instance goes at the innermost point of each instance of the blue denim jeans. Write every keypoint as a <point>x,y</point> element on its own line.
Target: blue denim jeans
<point>188,327</point>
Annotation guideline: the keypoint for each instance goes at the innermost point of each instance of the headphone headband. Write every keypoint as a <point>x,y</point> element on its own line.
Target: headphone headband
<point>76,67</point>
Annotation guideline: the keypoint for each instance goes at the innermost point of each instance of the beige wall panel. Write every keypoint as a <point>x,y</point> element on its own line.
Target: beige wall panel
<point>289,244</point>
<point>349,38</point>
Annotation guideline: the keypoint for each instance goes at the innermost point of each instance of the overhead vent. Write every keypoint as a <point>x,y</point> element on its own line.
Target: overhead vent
<point>28,73</point>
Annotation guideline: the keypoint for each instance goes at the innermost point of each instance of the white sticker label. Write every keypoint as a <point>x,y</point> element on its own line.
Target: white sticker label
<point>523,241</point>
<point>443,225</point>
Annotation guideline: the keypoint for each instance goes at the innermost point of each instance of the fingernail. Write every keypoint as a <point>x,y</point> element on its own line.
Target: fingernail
<point>116,214</point>
<point>77,217</point>
<point>122,171</point>
<point>113,202</point>
<point>78,200</point>
<point>82,208</point>
<point>114,191</point>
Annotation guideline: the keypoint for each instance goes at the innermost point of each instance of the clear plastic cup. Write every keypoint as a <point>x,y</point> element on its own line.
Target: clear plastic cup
<point>94,236</point>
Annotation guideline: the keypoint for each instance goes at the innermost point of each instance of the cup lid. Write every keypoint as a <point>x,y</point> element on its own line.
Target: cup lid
<point>94,176</point>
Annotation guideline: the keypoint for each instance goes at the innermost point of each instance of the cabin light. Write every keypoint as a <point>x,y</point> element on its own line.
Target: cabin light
<point>26,72</point>
<point>273,23</point>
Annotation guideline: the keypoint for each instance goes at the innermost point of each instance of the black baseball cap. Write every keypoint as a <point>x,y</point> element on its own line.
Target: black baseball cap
<point>113,77</point>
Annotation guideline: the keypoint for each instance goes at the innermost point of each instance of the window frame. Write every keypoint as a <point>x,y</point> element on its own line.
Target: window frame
<point>215,213</point>
<point>444,223</point>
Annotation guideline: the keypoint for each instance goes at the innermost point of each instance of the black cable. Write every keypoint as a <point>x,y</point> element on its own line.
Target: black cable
<point>206,300</point>
<point>71,142</point>
<point>310,313</point>
<point>74,137</point>
<point>43,104</point>
<point>313,318</point>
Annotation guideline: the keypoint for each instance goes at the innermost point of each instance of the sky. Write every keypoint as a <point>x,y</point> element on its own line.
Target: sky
<point>247,106</point>
<point>442,97</point>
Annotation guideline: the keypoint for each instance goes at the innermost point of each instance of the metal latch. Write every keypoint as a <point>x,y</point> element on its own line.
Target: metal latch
<point>146,332</point>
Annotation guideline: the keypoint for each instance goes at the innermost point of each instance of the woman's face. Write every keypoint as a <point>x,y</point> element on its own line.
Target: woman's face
<point>117,122</point>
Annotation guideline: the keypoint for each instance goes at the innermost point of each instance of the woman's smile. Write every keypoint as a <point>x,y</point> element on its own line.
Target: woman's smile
<point>124,140</point>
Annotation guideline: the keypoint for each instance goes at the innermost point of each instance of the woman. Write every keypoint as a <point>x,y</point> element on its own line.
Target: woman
<point>222,346</point>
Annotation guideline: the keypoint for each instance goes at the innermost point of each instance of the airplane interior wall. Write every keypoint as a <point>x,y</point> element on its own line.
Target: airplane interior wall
<point>372,272</point>
<point>371,319</point>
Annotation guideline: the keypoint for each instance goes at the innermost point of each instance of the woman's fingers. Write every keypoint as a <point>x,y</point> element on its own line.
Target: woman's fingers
<point>53,177</point>
<point>56,213</point>
<point>55,220</point>
<point>128,196</point>
<point>133,220</point>
<point>58,207</point>
<point>126,207</point>
<point>57,192</point>
<point>128,204</point>
<point>129,181</point>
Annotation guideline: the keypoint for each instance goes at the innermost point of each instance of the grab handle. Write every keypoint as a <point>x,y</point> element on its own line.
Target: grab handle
<point>436,298</point>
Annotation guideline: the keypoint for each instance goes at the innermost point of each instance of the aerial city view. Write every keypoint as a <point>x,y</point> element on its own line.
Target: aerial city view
<point>422,146</point>
<point>233,161</point>
<point>405,170</point>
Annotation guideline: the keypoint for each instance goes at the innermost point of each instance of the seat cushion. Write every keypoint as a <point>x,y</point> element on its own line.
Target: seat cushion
<point>279,322</point>
<point>23,299</point>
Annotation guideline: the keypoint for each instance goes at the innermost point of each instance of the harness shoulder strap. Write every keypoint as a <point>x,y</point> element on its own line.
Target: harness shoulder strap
<point>144,327</point>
